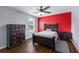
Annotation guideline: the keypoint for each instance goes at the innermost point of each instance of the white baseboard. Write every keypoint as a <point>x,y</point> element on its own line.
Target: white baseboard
<point>2,47</point>
<point>75,46</point>
<point>28,37</point>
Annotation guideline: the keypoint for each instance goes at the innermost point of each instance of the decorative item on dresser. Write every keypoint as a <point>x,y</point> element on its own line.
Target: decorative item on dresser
<point>15,34</point>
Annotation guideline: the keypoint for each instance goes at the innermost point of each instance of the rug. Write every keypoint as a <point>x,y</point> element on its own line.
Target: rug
<point>62,46</point>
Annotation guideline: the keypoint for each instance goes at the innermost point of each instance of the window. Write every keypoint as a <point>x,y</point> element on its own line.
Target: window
<point>31,25</point>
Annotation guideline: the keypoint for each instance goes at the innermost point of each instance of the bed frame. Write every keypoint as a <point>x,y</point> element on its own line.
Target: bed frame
<point>48,42</point>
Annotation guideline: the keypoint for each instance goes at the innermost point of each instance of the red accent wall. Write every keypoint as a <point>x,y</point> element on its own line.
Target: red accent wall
<point>63,20</point>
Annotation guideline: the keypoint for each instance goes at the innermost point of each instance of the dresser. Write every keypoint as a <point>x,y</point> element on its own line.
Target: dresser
<point>15,35</point>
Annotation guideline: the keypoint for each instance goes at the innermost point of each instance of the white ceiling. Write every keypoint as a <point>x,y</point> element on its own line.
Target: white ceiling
<point>32,9</point>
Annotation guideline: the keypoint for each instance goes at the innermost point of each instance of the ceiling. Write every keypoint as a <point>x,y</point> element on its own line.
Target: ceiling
<point>32,9</point>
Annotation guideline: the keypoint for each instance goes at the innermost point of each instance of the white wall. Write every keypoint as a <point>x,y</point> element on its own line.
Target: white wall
<point>75,26</point>
<point>10,16</point>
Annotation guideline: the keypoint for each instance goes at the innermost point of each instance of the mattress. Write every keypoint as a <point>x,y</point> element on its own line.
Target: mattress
<point>48,34</point>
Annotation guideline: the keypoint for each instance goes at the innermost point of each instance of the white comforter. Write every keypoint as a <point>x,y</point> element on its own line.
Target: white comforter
<point>48,34</point>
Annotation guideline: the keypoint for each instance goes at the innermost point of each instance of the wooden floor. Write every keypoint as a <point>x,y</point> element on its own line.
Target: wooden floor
<point>28,47</point>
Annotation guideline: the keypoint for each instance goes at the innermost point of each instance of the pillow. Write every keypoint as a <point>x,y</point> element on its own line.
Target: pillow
<point>48,29</point>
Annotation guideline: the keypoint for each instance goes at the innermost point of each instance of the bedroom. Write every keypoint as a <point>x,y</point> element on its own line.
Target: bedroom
<point>62,20</point>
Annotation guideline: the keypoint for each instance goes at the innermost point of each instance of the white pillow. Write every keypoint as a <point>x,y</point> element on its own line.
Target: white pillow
<point>48,29</point>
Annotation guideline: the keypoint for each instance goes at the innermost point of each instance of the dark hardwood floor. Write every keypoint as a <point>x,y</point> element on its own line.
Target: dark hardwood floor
<point>72,47</point>
<point>28,47</point>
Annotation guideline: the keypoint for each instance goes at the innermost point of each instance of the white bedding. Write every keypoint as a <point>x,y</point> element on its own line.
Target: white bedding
<point>48,34</point>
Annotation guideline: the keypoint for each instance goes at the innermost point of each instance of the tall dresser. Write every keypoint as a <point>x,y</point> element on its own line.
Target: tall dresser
<point>15,35</point>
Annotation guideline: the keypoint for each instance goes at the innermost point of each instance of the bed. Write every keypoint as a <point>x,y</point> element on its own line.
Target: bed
<point>47,37</point>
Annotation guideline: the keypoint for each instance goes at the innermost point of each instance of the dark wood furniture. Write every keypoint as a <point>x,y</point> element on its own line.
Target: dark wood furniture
<point>54,27</point>
<point>49,42</point>
<point>15,35</point>
<point>66,36</point>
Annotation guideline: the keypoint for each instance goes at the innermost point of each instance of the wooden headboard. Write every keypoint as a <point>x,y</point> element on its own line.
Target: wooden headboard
<point>51,26</point>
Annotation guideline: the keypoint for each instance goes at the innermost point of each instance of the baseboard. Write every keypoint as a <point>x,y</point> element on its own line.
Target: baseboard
<point>2,47</point>
<point>75,46</point>
<point>28,37</point>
